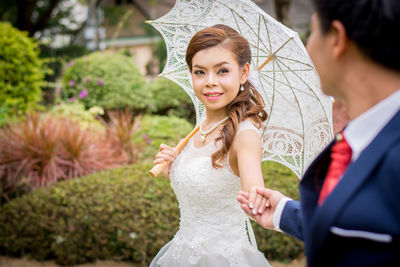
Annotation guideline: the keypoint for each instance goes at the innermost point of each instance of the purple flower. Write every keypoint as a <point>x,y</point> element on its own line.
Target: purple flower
<point>144,136</point>
<point>86,79</point>
<point>83,94</point>
<point>148,141</point>
<point>100,82</point>
<point>72,83</point>
<point>72,99</point>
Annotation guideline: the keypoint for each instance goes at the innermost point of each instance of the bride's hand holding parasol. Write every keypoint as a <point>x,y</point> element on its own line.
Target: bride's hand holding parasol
<point>166,155</point>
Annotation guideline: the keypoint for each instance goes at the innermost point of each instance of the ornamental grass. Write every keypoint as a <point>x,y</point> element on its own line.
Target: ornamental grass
<point>119,131</point>
<point>43,149</point>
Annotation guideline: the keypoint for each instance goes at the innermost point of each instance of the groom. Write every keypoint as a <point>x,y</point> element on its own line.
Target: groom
<point>349,213</point>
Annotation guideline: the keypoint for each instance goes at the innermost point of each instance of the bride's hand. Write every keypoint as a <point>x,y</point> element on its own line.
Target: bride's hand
<point>273,197</point>
<point>255,203</point>
<point>168,154</point>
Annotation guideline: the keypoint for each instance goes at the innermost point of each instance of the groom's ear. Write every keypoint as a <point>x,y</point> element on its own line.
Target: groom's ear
<point>339,39</point>
<point>244,73</point>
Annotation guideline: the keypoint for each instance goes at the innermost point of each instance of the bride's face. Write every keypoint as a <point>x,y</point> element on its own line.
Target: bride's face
<point>217,77</point>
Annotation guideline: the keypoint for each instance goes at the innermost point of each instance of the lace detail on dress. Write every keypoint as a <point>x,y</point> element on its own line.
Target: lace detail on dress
<point>212,228</point>
<point>248,125</point>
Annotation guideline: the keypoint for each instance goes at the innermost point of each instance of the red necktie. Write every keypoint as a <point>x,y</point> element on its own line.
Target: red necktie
<point>340,159</point>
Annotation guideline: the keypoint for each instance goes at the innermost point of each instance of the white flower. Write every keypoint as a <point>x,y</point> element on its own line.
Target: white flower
<point>59,239</point>
<point>96,110</point>
<point>132,235</point>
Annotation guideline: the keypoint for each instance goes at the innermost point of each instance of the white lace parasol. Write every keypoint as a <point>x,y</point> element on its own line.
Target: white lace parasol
<point>299,124</point>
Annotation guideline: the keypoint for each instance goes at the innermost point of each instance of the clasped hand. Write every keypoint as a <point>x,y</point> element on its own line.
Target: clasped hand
<point>165,154</point>
<point>260,204</point>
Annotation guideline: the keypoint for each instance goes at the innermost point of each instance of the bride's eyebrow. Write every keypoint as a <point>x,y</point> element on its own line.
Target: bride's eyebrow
<point>216,65</point>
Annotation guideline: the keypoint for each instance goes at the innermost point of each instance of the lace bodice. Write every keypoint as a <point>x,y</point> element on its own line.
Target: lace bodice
<point>210,216</point>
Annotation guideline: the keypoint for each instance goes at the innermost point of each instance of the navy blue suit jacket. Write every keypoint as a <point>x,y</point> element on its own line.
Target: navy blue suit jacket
<point>359,222</point>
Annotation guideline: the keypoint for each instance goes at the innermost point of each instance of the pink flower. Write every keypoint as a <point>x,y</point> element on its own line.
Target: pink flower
<point>86,79</point>
<point>148,141</point>
<point>83,94</point>
<point>100,82</point>
<point>72,99</point>
<point>72,83</point>
<point>144,136</point>
<point>69,64</point>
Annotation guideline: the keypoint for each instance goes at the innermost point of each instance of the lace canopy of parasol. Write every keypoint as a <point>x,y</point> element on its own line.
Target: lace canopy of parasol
<point>299,123</point>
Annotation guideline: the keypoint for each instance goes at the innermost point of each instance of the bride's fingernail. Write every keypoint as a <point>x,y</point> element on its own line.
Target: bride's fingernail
<point>251,205</point>
<point>254,211</point>
<point>260,211</point>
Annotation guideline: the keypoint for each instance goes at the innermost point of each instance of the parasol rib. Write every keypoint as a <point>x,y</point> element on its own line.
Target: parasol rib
<point>272,56</point>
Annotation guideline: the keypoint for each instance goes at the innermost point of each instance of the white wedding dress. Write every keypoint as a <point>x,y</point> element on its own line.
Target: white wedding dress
<point>213,227</point>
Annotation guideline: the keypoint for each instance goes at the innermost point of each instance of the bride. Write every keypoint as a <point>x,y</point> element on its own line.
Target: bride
<point>221,159</point>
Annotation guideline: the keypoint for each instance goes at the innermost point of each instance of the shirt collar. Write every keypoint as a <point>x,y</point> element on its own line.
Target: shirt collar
<point>361,131</point>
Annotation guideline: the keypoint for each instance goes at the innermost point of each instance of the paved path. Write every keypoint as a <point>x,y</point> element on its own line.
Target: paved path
<point>17,262</point>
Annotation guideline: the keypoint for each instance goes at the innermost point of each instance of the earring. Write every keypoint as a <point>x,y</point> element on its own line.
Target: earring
<point>241,88</point>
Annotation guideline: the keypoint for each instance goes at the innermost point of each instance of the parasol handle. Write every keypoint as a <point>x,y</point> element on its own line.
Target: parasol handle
<point>155,171</point>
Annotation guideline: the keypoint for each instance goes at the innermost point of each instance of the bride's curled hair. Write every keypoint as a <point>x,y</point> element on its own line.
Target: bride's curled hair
<point>248,104</point>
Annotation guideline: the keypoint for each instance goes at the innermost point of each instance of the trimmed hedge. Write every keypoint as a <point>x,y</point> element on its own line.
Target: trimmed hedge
<point>156,130</point>
<point>170,99</point>
<point>121,214</point>
<point>108,80</point>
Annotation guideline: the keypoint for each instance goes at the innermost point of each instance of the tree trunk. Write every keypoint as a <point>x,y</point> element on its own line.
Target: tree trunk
<point>282,11</point>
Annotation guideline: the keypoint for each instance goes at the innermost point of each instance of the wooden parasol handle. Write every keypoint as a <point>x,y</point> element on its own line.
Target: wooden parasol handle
<point>155,171</point>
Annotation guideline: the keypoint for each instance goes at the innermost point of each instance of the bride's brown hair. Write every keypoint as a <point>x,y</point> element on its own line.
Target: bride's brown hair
<point>248,104</point>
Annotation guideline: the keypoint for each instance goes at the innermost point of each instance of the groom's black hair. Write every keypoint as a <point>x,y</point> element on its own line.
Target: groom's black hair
<point>374,25</point>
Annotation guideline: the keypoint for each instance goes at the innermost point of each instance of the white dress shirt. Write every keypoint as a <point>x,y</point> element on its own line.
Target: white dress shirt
<point>359,134</point>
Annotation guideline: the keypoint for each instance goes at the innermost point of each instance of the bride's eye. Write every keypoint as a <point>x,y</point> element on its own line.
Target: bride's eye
<point>222,71</point>
<point>198,72</point>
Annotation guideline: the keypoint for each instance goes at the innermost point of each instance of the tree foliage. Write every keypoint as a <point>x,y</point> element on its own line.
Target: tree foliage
<point>39,16</point>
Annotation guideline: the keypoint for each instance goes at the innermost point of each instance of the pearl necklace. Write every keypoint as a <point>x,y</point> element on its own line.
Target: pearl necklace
<point>205,133</point>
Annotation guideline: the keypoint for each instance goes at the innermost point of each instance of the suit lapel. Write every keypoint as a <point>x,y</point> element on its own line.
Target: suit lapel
<point>356,174</point>
<point>311,184</point>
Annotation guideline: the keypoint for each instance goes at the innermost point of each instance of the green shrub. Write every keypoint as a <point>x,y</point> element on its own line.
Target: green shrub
<point>122,214</point>
<point>22,73</point>
<point>155,130</point>
<point>170,99</point>
<point>77,112</point>
<point>108,80</point>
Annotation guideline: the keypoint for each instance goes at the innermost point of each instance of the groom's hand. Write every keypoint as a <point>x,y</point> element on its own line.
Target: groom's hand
<point>249,200</point>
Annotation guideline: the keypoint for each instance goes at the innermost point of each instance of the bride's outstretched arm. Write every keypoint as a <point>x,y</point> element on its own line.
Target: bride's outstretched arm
<point>247,152</point>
